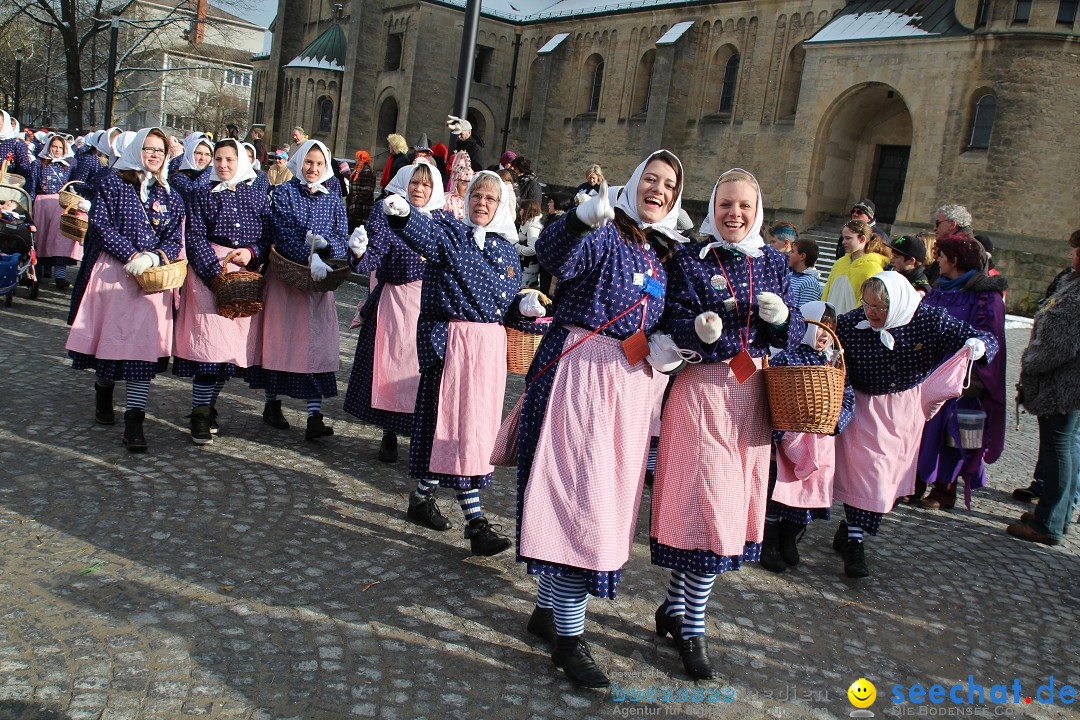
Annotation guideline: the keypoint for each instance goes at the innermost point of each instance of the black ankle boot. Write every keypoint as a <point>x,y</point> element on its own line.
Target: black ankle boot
<point>542,624</point>
<point>668,624</point>
<point>790,534</point>
<point>213,417</point>
<point>770,549</point>
<point>388,448</point>
<point>103,406</point>
<point>572,657</point>
<point>424,511</point>
<point>839,540</point>
<point>316,428</point>
<point>483,539</point>
<point>273,416</point>
<point>855,560</point>
<point>133,430</point>
<point>200,425</point>
<point>695,658</point>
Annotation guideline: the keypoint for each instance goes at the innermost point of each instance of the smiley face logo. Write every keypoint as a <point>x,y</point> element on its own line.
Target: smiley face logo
<point>862,693</point>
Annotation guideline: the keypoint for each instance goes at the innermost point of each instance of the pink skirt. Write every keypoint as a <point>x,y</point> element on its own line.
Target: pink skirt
<point>805,464</point>
<point>299,329</point>
<point>470,399</point>
<point>117,320</point>
<point>395,372</point>
<point>876,456</point>
<point>204,336</point>
<point>712,470</point>
<point>581,501</point>
<point>48,240</point>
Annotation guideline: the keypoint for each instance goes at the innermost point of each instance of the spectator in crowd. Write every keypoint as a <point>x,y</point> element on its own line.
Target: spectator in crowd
<point>805,279</point>
<point>528,186</point>
<point>461,174</point>
<point>529,227</point>
<point>255,137</point>
<point>361,190</point>
<point>466,141</point>
<point>952,219</point>
<point>866,256</point>
<point>866,211</point>
<point>908,255</point>
<point>279,171</point>
<point>299,137</point>
<point>782,237</point>
<point>397,159</point>
<point>510,181</point>
<point>594,175</point>
<point>504,161</point>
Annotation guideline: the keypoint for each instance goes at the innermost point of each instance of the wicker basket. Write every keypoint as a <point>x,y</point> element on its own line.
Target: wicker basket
<point>806,398</point>
<point>299,276</point>
<point>239,293</point>
<point>522,339</point>
<point>167,276</point>
<point>73,224</point>
<point>11,179</point>
<point>69,198</point>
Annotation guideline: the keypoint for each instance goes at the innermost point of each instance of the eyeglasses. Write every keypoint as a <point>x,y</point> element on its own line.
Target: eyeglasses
<point>153,151</point>
<point>876,308</point>
<point>484,199</point>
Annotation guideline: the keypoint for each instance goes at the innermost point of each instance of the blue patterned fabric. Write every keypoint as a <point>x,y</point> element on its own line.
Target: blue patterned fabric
<point>800,516</point>
<point>113,370</point>
<point>261,183</point>
<point>221,371</point>
<point>232,219</point>
<point>21,162</point>
<point>297,210</point>
<point>299,386</point>
<point>868,520</point>
<point>701,562</point>
<point>187,181</point>
<point>50,177</point>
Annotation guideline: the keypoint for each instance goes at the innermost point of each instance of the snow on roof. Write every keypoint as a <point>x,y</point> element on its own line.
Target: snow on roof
<point>536,10</point>
<point>674,33</point>
<point>885,19</point>
<point>326,52</point>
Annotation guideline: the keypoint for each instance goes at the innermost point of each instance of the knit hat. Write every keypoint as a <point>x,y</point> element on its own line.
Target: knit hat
<point>867,206</point>
<point>507,157</point>
<point>911,246</point>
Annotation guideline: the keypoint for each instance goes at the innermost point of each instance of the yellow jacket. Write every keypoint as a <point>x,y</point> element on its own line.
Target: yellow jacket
<point>847,277</point>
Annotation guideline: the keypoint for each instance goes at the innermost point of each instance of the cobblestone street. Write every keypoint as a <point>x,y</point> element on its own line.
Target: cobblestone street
<point>265,576</point>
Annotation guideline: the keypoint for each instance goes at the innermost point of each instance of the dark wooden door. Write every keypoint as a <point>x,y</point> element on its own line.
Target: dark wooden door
<point>889,177</point>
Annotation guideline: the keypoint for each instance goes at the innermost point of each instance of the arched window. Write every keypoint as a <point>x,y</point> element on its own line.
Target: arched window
<point>326,114</point>
<point>982,122</point>
<point>789,90</point>
<point>388,113</point>
<point>727,90</point>
<point>643,84</point>
<point>594,75</point>
<point>393,51</point>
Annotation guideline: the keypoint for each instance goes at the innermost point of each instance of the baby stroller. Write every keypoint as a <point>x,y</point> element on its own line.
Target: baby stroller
<point>18,258</point>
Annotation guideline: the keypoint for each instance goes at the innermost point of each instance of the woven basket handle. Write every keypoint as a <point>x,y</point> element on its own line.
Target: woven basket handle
<point>835,339</point>
<point>69,183</point>
<point>164,258</point>
<point>225,263</point>
<point>544,299</point>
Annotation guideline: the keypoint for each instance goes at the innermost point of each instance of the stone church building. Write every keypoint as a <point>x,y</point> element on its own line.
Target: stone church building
<point>913,103</point>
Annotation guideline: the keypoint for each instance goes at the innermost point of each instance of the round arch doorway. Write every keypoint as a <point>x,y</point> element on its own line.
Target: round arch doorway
<point>861,150</point>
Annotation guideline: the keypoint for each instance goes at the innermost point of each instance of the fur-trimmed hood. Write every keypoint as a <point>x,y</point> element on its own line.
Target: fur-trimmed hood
<point>1050,367</point>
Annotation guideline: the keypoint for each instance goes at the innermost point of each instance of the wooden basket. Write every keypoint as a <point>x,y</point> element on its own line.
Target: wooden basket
<point>299,276</point>
<point>73,223</point>
<point>7,178</point>
<point>239,294</point>
<point>69,198</point>
<point>523,339</point>
<point>167,276</point>
<point>806,398</point>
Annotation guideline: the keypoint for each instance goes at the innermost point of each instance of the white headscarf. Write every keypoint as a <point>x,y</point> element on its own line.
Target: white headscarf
<point>7,128</point>
<point>255,154</point>
<point>400,186</point>
<point>813,311</point>
<point>63,159</point>
<point>626,199</point>
<point>502,220</point>
<point>903,302</point>
<point>296,164</point>
<point>244,170</point>
<point>90,139</point>
<point>751,244</point>
<point>190,143</point>
<point>103,142</point>
<point>131,159</point>
<point>119,144</point>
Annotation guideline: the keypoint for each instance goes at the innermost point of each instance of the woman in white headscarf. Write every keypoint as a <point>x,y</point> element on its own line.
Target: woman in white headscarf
<point>904,361</point>
<point>193,170</point>
<point>51,173</point>
<point>12,145</point>
<point>300,343</point>
<point>386,372</point>
<point>228,219</point>
<point>587,408</point>
<point>729,300</point>
<point>470,283</point>
<point>259,180</point>
<point>117,329</point>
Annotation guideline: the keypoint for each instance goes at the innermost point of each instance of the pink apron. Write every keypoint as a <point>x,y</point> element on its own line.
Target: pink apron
<point>204,336</point>
<point>117,320</point>
<point>49,241</point>
<point>877,454</point>
<point>470,399</point>
<point>659,387</point>
<point>805,464</point>
<point>395,372</point>
<point>581,501</point>
<point>712,471</point>
<point>299,329</point>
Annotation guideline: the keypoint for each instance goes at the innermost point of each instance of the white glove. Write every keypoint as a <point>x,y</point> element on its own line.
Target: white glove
<point>318,240</point>
<point>453,123</point>
<point>708,327</point>
<point>597,210</point>
<point>319,269</point>
<point>771,308</point>
<point>663,353</point>
<point>142,262</point>
<point>976,348</point>
<point>396,206</point>
<point>358,241</point>
<point>530,306</point>
<point>581,197</point>
<point>84,206</point>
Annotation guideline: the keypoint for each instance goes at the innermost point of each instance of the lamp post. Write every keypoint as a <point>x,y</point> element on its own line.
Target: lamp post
<point>465,60</point>
<point>20,53</point>
<point>111,83</point>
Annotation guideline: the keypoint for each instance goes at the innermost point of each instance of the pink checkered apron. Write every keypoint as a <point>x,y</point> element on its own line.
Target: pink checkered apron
<point>877,454</point>
<point>49,240</point>
<point>805,463</point>
<point>470,399</point>
<point>712,470</point>
<point>581,501</point>
<point>395,372</point>
<point>204,336</point>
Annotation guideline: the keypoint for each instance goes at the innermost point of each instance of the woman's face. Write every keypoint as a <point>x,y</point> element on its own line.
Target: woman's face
<point>314,165</point>
<point>225,162</point>
<point>56,148</point>
<point>734,210</point>
<point>419,191</point>
<point>462,187</point>
<point>780,243</point>
<point>876,310</point>
<point>550,206</point>
<point>483,201</point>
<point>592,178</point>
<point>153,153</point>
<point>202,156</point>
<point>853,241</point>
<point>656,191</point>
<point>945,265</point>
